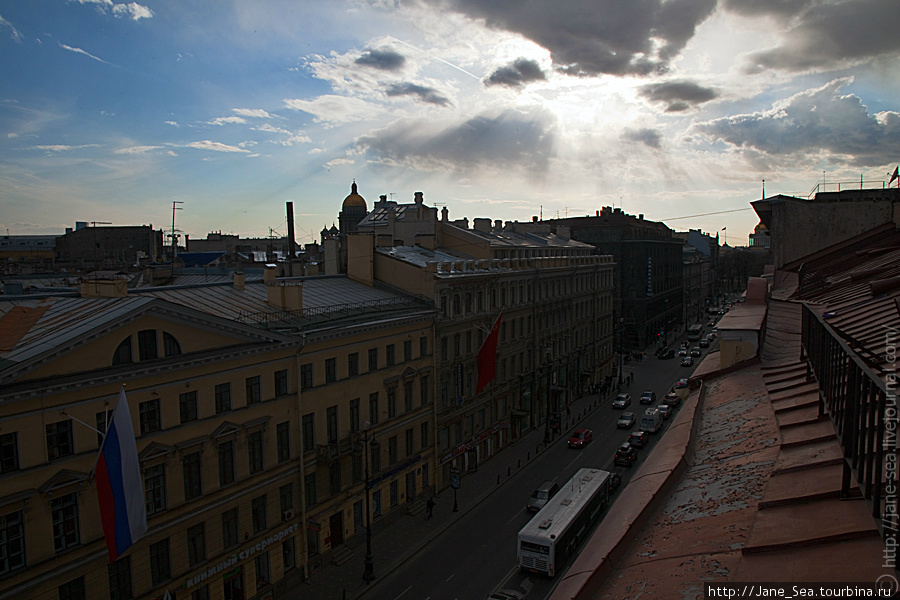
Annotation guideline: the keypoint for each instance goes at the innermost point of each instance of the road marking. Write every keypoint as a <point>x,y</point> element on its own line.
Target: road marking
<point>403,592</point>
<point>449,578</point>
<point>515,516</point>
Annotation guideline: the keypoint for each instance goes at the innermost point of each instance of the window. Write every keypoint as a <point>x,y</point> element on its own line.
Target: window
<point>119,574</point>
<point>223,397</point>
<point>59,439</point>
<point>288,554</point>
<point>262,569</point>
<point>353,364</point>
<point>283,441</point>
<point>226,463</point>
<point>9,453</point>
<point>331,421</point>
<point>12,542</point>
<point>354,415</point>
<point>281,383</point>
<point>258,514</point>
<point>376,504</point>
<point>424,434</point>
<point>408,396</point>
<point>196,540</point>
<point>230,535</point>
<point>444,350</point>
<point>309,488</point>
<point>64,512</point>
<point>410,441</point>
<point>423,347</point>
<point>286,501</point>
<point>375,458</point>
<point>373,408</point>
<point>254,390</point>
<point>73,590</point>
<point>407,350</point>
<point>100,419</point>
<point>330,370</point>
<point>392,450</point>
<point>395,493</point>
<point>373,359</point>
<point>122,355</point>
<point>171,347</point>
<point>150,418</point>
<point>155,489</point>
<point>392,402</point>
<point>334,478</point>
<point>187,406</point>
<point>309,432</point>
<point>147,344</point>
<point>306,376</point>
<point>160,565</point>
<point>255,451</point>
<point>423,389</point>
<point>192,468</point>
<point>391,359</point>
<point>201,593</point>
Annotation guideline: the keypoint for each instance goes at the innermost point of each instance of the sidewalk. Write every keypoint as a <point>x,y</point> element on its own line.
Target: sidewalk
<point>402,537</point>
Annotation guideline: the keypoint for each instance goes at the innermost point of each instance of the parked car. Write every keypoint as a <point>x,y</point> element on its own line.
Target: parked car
<point>580,438</point>
<point>695,351</point>
<point>665,410</point>
<point>625,455</point>
<point>672,399</point>
<point>682,384</point>
<point>541,495</point>
<point>687,361</point>
<point>622,401</point>
<point>648,397</point>
<point>639,438</point>
<point>664,353</point>
<point>626,420</point>
<point>615,480</point>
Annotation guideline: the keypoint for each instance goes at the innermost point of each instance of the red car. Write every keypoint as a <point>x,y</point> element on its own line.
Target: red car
<point>580,438</point>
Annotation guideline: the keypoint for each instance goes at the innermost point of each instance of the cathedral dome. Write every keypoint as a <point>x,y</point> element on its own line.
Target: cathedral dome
<point>354,200</point>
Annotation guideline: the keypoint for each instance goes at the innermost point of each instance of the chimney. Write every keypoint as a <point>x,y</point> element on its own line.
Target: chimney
<point>418,197</point>
<point>445,214</point>
<point>290,224</point>
<point>269,274</point>
<point>286,295</point>
<point>482,225</point>
<point>240,280</point>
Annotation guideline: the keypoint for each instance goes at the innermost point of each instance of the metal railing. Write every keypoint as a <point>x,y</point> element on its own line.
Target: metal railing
<point>864,411</point>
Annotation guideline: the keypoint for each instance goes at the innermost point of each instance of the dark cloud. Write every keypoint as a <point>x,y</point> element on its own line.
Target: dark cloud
<point>424,94</point>
<point>519,72</point>
<point>591,37</point>
<point>649,137</point>
<point>678,95</point>
<point>835,35</point>
<point>814,122</point>
<point>385,59</point>
<point>759,8</point>
<point>511,139</point>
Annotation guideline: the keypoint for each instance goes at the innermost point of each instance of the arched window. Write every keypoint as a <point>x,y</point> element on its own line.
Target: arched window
<point>171,347</point>
<point>122,355</point>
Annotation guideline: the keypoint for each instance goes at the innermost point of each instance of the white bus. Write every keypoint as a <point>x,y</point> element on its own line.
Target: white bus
<point>694,333</point>
<point>558,528</point>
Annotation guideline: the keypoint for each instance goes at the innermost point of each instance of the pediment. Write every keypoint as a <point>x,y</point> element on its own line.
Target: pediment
<point>225,429</point>
<point>63,480</point>
<point>407,374</point>
<point>155,450</point>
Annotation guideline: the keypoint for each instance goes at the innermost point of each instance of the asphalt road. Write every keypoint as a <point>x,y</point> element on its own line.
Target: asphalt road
<point>477,554</point>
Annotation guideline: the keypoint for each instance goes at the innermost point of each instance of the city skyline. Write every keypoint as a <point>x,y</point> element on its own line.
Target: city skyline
<point>111,111</point>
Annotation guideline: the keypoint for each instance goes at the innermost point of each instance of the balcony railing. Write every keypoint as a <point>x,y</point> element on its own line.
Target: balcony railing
<point>864,411</point>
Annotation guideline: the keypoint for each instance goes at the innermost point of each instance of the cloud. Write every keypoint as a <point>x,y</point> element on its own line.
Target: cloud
<point>519,72</point>
<point>214,146</point>
<point>335,110</point>
<point>490,142</point>
<point>424,94</point>
<point>255,113</point>
<point>384,59</point>
<point>834,35</point>
<point>814,122</point>
<point>83,52</point>
<point>227,121</point>
<point>775,8</point>
<point>592,37</point>
<point>678,95</point>
<point>137,149</point>
<point>646,136</point>
<point>13,32</point>
<point>132,10</point>
<point>63,147</point>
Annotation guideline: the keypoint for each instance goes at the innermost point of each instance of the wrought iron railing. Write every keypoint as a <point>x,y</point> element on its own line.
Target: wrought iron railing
<point>862,405</point>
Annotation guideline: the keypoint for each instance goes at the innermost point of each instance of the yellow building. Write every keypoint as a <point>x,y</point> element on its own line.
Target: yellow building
<point>213,376</point>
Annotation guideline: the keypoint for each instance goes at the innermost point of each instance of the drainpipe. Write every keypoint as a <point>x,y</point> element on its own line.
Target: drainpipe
<point>302,490</point>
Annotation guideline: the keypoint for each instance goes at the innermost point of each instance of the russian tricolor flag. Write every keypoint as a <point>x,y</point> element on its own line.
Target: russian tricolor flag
<point>120,490</point>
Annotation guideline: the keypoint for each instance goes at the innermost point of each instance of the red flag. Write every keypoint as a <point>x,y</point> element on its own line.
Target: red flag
<point>487,356</point>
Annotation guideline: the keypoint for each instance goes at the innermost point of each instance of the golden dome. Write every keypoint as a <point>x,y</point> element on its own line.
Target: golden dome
<point>354,200</point>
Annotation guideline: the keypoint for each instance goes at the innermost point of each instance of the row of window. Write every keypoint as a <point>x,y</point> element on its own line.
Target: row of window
<point>66,535</point>
<point>307,370</point>
<point>148,343</point>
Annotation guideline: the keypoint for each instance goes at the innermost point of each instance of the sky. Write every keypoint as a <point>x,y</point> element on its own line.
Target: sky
<point>684,111</point>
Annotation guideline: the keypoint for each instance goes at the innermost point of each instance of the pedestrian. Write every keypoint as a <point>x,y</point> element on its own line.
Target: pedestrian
<point>429,507</point>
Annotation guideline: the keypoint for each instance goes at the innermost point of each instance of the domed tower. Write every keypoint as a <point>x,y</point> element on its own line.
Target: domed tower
<point>352,211</point>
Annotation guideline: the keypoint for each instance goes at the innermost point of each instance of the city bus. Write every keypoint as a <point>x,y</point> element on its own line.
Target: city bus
<point>694,333</point>
<point>556,530</point>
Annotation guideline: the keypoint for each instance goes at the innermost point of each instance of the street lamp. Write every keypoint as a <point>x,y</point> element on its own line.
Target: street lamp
<point>369,572</point>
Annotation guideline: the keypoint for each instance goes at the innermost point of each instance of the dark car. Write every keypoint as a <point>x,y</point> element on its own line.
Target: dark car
<point>687,361</point>
<point>638,438</point>
<point>539,497</point>
<point>625,455</point>
<point>695,351</point>
<point>626,420</point>
<point>704,343</point>
<point>648,397</point>
<point>622,401</point>
<point>615,480</point>
<point>711,324</point>
<point>672,399</point>
<point>682,384</point>
<point>664,353</point>
<point>580,438</point>
<point>665,410</point>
